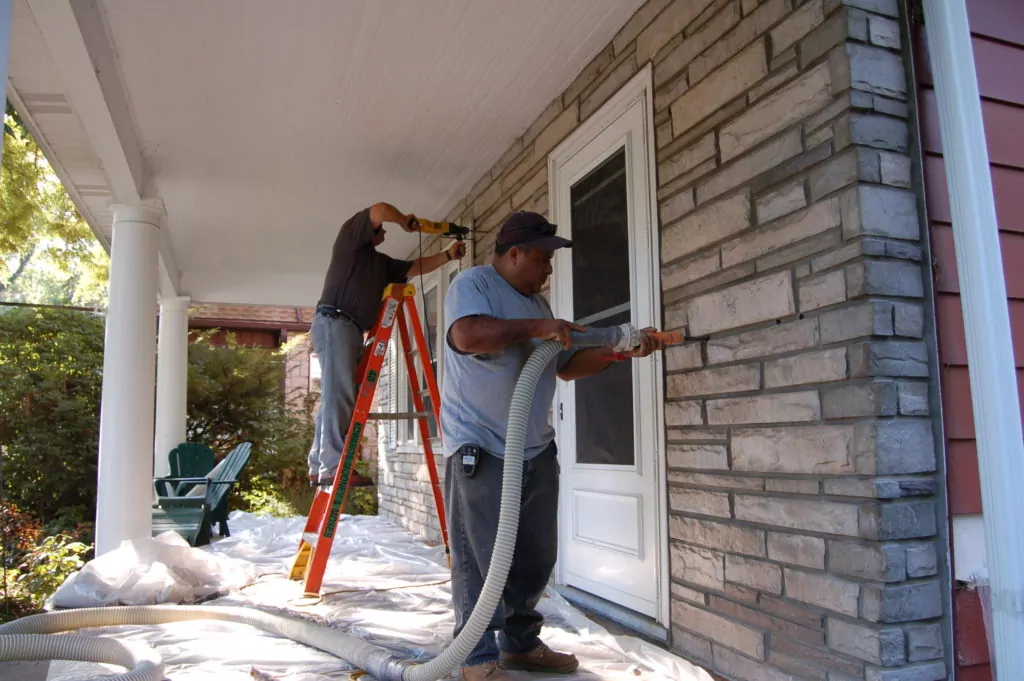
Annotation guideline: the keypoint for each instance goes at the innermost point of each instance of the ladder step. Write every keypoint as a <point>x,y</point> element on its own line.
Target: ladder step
<point>398,415</point>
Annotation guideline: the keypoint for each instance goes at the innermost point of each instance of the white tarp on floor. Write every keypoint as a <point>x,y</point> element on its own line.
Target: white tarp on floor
<point>382,584</point>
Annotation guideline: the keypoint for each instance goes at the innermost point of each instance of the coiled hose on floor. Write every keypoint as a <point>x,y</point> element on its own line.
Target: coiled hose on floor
<point>25,639</point>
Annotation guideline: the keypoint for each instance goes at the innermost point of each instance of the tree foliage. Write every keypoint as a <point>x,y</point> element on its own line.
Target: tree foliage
<point>51,363</point>
<point>48,254</point>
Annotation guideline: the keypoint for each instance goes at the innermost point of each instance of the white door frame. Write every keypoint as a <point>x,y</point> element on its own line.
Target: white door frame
<point>639,91</point>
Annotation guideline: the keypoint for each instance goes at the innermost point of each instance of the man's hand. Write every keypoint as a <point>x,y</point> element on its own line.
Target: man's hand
<point>648,344</point>
<point>410,223</point>
<point>559,329</point>
<point>457,250</point>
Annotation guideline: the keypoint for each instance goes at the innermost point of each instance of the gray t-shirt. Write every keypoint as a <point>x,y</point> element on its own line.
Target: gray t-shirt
<point>358,272</point>
<point>477,390</point>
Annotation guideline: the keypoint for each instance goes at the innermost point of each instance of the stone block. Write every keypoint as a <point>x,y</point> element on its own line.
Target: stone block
<point>750,302</point>
<point>913,399</point>
<point>871,644</point>
<point>756,162</point>
<point>834,31</point>
<point>525,193</point>
<point>902,603</point>
<point>782,201</point>
<point>756,574</point>
<point>909,320</point>
<point>854,400</point>
<point>899,488</point>
<point>786,73</point>
<point>922,561</point>
<point>711,223</point>
<point>841,171</point>
<point>827,261</point>
<point>786,170</point>
<point>743,483</point>
<point>686,180</point>
<point>797,25</point>
<point>712,457</point>
<point>820,366</point>
<point>740,667</point>
<point>669,23</point>
<point>712,59</point>
<point>822,590</point>
<point>889,8</point>
<point>902,359</point>
<point>683,414</point>
<point>875,70</point>
<point>676,206</point>
<point>880,132</point>
<point>559,128</point>
<point>724,631</point>
<point>812,450</point>
<point>719,88</point>
<point>780,408</point>
<point>879,211</point>
<point>696,42</point>
<point>682,357</point>
<point>789,486</point>
<point>884,32</point>
<point>608,86</point>
<point>799,514</point>
<point>871,318</point>
<point>699,502</point>
<point>933,671</point>
<point>687,594</point>
<point>822,290</point>
<point>683,272</point>
<point>776,112</point>
<point>685,159</point>
<point>876,562</point>
<point>717,535</point>
<point>895,169</point>
<point>796,549</point>
<point>816,219</point>
<point>604,59</point>
<point>819,137</point>
<point>799,251</point>
<point>715,381</point>
<point>924,642</point>
<point>700,566</point>
<point>900,520</point>
<point>895,447</point>
<point>797,667</point>
<point>884,277</point>
<point>692,647</point>
<point>774,340</point>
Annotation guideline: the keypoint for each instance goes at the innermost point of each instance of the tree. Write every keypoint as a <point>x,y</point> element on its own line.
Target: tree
<point>48,254</point>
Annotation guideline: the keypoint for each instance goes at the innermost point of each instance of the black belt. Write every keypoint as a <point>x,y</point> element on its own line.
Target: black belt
<point>337,313</point>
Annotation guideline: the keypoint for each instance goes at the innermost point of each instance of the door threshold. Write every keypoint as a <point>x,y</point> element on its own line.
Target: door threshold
<point>638,624</point>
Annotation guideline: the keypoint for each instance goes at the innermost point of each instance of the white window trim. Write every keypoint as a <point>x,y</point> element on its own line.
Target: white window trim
<point>407,435</point>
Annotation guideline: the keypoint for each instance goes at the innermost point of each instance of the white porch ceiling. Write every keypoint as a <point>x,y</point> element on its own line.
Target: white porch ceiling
<point>264,124</point>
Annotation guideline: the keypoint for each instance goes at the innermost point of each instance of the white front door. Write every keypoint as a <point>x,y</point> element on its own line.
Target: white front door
<point>612,532</point>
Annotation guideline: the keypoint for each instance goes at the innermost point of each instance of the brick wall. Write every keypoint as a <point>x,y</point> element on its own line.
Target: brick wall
<point>802,468</point>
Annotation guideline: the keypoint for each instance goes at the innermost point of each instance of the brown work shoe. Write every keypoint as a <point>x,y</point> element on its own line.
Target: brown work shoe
<point>488,671</point>
<point>542,659</point>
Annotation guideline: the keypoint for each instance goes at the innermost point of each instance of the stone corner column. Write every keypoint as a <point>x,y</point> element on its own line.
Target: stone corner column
<point>124,482</point>
<point>171,380</point>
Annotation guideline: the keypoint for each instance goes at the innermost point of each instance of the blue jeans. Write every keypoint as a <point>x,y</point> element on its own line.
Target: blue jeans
<point>473,504</point>
<point>338,344</point>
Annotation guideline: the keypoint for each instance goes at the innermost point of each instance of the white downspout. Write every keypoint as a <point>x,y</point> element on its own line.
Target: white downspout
<point>6,19</point>
<point>986,321</point>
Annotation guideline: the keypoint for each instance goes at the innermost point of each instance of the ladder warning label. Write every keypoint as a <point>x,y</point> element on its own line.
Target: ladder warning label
<point>380,349</point>
<point>389,313</point>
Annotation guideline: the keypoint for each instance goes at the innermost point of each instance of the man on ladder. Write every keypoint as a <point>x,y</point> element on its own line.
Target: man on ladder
<point>347,309</point>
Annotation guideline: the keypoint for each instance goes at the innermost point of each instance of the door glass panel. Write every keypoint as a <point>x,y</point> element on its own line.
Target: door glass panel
<point>430,317</point>
<point>600,234</point>
<point>601,297</point>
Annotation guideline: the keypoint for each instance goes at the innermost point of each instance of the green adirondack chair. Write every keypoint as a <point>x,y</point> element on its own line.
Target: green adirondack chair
<point>187,460</point>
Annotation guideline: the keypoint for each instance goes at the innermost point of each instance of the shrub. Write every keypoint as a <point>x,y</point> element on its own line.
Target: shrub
<point>47,566</point>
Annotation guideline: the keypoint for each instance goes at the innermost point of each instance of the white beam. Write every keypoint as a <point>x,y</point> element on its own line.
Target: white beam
<point>125,488</point>
<point>112,138</point>
<point>171,381</point>
<point>986,320</point>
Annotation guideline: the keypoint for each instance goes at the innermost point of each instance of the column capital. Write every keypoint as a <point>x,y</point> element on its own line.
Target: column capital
<point>175,304</point>
<point>148,211</point>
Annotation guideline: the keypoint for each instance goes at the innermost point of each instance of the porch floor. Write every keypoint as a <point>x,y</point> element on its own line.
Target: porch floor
<point>382,584</point>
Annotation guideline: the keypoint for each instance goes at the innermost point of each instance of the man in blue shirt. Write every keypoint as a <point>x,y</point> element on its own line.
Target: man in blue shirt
<point>495,316</point>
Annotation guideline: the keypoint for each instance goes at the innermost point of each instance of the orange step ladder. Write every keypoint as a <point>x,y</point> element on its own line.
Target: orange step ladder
<point>398,307</point>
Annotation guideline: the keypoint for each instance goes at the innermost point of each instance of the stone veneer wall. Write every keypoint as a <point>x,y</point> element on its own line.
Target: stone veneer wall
<point>802,468</point>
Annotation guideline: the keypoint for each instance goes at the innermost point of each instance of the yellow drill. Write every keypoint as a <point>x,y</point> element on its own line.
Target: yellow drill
<point>449,230</point>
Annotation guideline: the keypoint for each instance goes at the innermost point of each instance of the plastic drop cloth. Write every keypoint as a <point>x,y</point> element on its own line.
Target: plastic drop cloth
<point>382,584</point>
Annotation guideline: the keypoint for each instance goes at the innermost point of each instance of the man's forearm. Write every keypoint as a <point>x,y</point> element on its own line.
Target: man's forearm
<point>587,363</point>
<point>484,335</point>
<point>428,264</point>
<point>385,212</point>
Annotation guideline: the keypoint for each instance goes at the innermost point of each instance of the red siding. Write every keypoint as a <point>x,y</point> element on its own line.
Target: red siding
<point>997,28</point>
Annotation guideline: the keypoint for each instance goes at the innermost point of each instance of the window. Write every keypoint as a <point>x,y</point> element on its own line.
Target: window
<point>315,379</point>
<point>430,295</point>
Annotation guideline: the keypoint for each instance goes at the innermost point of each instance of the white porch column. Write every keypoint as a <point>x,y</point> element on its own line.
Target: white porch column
<point>987,322</point>
<point>125,486</point>
<point>171,380</point>
<point>6,18</point>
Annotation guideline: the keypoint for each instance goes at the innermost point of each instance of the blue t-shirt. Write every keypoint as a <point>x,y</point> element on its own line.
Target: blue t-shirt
<point>476,390</point>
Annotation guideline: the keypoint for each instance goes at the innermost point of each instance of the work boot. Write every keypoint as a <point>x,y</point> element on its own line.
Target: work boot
<point>541,659</point>
<point>488,671</point>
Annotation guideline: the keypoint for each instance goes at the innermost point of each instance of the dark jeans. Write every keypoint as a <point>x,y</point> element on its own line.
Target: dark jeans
<point>473,504</point>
